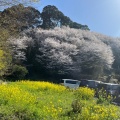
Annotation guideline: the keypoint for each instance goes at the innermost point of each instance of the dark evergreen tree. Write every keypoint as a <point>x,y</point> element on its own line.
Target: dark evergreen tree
<point>52,17</point>
<point>18,18</point>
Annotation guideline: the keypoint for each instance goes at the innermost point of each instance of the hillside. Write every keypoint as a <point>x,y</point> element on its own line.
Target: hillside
<point>43,100</point>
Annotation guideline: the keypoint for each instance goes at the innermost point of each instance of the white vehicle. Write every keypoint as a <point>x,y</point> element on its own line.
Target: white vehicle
<point>71,83</point>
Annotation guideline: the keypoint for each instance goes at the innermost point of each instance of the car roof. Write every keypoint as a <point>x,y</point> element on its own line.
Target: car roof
<point>109,83</point>
<point>90,80</point>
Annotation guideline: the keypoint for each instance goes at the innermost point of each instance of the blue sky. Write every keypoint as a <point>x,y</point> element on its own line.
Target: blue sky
<point>101,16</point>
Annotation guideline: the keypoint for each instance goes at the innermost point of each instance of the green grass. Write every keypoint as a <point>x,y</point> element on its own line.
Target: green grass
<point>47,101</point>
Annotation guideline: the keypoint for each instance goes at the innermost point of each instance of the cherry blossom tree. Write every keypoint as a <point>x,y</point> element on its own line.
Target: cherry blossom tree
<point>64,50</point>
<point>114,43</point>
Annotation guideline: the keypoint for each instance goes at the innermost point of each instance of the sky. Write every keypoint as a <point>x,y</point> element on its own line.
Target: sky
<point>102,16</point>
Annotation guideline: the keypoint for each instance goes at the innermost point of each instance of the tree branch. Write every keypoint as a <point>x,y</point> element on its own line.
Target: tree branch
<point>14,2</point>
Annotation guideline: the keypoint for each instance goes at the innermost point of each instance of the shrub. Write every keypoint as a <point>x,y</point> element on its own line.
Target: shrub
<point>84,93</point>
<point>19,72</point>
<point>89,110</point>
<point>103,97</point>
<point>77,106</point>
<point>98,112</point>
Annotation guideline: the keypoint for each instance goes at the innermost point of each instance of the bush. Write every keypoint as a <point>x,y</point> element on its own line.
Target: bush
<point>84,93</point>
<point>19,72</point>
<point>77,106</point>
<point>98,112</point>
<point>103,97</point>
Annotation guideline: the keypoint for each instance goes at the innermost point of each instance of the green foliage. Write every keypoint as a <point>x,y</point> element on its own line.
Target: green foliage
<point>19,72</point>
<point>4,62</point>
<point>78,26</point>
<point>4,35</point>
<point>18,18</point>
<point>28,100</point>
<point>103,97</point>
<point>98,112</point>
<point>5,52</point>
<point>33,100</point>
<point>84,93</point>
<point>52,17</point>
<point>77,106</point>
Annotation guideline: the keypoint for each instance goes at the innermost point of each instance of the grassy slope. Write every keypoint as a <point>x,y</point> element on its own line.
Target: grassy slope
<point>46,101</point>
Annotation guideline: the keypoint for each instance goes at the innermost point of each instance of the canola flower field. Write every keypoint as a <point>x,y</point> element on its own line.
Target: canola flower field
<point>30,100</point>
